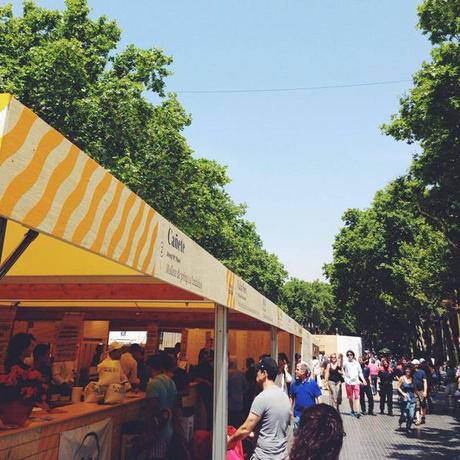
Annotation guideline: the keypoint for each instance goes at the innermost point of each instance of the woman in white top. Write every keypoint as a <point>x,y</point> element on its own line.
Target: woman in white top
<point>283,378</point>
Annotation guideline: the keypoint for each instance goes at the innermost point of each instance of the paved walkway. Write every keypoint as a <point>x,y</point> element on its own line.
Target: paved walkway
<point>379,437</point>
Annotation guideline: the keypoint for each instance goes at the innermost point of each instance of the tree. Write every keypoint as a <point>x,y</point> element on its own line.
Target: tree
<point>66,67</point>
<point>311,304</point>
<point>430,116</point>
<point>389,272</point>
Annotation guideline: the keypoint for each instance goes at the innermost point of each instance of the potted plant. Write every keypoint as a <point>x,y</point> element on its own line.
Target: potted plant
<point>20,389</point>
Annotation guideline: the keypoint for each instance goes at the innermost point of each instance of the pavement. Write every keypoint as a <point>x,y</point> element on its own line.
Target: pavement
<point>379,437</point>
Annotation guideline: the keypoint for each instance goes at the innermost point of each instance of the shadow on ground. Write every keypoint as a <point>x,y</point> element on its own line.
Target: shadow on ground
<point>432,443</point>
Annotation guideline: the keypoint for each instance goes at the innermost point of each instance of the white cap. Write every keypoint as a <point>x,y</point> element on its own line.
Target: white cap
<point>115,346</point>
<point>422,360</point>
<point>415,361</point>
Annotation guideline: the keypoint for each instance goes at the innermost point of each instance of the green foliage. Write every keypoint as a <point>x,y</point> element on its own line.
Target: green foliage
<point>311,304</point>
<point>389,268</point>
<point>396,267</point>
<point>440,19</point>
<point>66,67</point>
<point>429,115</point>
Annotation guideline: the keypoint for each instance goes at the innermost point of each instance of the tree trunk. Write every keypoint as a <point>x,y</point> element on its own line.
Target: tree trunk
<point>427,339</point>
<point>450,342</point>
<point>454,321</point>
<point>439,352</point>
<point>448,345</point>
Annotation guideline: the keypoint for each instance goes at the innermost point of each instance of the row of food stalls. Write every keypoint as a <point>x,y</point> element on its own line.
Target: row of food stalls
<point>82,256</point>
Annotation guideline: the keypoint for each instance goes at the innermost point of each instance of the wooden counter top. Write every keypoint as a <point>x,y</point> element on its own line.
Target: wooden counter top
<point>70,412</point>
<point>39,440</point>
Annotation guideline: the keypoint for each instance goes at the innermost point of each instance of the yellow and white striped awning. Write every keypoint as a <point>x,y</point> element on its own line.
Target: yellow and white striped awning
<point>49,185</point>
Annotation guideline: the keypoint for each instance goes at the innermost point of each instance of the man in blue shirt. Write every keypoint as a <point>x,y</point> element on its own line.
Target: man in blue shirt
<point>421,391</point>
<point>304,393</point>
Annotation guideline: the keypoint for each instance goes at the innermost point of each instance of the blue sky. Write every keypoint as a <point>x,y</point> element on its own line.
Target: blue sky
<point>297,159</point>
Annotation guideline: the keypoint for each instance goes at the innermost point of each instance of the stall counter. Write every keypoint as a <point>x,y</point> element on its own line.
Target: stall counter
<point>39,440</point>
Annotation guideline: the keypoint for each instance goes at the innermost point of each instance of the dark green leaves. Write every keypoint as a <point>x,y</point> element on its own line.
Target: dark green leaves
<point>67,68</point>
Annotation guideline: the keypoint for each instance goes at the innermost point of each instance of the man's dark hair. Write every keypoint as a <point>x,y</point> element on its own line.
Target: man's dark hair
<point>203,355</point>
<point>283,356</point>
<point>155,362</point>
<point>134,348</point>
<point>352,352</point>
<point>160,361</point>
<point>410,367</point>
<point>167,361</point>
<point>265,355</point>
<point>40,351</point>
<point>270,366</point>
<point>320,434</point>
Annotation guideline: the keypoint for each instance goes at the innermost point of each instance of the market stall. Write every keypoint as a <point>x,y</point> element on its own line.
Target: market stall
<point>83,254</point>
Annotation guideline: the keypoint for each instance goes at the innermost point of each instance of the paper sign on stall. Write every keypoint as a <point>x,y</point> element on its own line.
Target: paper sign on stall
<point>69,332</point>
<point>151,345</point>
<point>7,315</point>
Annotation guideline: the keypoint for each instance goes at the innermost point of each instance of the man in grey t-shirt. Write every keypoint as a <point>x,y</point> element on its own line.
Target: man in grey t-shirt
<point>270,413</point>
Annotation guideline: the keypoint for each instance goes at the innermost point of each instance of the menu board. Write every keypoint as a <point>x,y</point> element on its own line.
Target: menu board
<point>7,315</point>
<point>183,345</point>
<point>151,345</point>
<point>69,332</point>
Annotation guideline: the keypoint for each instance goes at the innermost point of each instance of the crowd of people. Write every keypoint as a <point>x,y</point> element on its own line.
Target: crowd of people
<point>284,410</point>
<point>415,380</point>
<point>287,401</point>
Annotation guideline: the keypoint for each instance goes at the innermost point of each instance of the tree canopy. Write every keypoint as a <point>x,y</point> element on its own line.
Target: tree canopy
<point>67,68</point>
<point>389,270</point>
<point>430,116</point>
<point>311,304</point>
<point>396,265</point>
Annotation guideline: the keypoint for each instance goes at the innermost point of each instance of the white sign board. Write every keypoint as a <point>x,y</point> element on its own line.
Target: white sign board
<point>345,343</point>
<point>91,442</point>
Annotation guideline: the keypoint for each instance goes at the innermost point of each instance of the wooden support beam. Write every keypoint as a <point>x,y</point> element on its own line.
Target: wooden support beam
<point>94,291</point>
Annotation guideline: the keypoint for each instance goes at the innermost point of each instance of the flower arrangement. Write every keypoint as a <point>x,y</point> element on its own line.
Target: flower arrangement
<point>27,385</point>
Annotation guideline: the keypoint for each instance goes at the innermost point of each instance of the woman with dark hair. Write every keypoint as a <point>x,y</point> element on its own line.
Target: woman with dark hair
<point>320,434</point>
<point>406,388</point>
<point>42,360</point>
<point>386,376</point>
<point>284,378</point>
<point>19,348</point>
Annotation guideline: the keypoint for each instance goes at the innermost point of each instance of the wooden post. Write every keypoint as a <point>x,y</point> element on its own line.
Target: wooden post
<point>274,350</point>
<point>292,339</point>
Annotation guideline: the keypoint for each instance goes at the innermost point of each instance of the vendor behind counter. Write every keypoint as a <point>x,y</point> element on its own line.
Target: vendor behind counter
<point>129,363</point>
<point>109,370</point>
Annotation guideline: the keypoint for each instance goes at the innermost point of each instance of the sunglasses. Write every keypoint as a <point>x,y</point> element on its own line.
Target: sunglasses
<point>349,354</point>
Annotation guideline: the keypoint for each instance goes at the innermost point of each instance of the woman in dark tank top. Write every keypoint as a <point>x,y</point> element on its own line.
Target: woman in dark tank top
<point>334,379</point>
<point>335,374</point>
